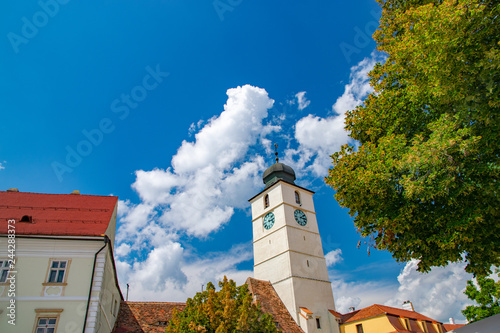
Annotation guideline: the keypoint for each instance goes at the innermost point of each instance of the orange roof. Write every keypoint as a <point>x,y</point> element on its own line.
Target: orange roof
<point>56,214</point>
<point>269,301</point>
<point>377,309</point>
<point>306,310</point>
<point>335,313</point>
<point>145,316</point>
<point>449,327</point>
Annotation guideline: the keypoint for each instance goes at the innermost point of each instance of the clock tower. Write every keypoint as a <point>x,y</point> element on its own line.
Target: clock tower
<point>288,251</point>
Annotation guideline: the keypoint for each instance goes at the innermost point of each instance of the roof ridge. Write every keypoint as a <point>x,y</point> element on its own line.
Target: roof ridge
<point>152,302</point>
<point>408,313</point>
<point>76,195</point>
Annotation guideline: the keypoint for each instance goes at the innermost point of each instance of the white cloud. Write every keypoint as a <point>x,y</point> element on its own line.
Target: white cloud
<point>318,137</point>
<point>320,147</point>
<point>208,179</point>
<point>302,100</point>
<point>194,127</point>
<point>123,250</point>
<point>1,166</point>
<point>333,257</point>
<point>359,294</point>
<point>171,274</point>
<point>444,291</point>
<point>225,139</point>
<point>437,294</point>
<point>359,85</point>
<point>199,193</point>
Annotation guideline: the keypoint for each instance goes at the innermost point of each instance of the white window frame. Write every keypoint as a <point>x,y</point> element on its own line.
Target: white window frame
<point>46,314</point>
<point>57,271</point>
<point>44,328</point>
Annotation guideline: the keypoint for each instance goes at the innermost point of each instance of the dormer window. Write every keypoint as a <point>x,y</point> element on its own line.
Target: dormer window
<point>266,201</point>
<point>162,323</point>
<point>26,218</point>
<point>297,198</point>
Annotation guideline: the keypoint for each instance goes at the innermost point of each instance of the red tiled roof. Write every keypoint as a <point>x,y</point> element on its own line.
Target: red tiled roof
<point>378,309</point>
<point>347,316</point>
<point>143,317</point>
<point>397,325</point>
<point>336,314</point>
<point>449,327</point>
<point>264,293</point>
<point>306,310</point>
<point>56,214</point>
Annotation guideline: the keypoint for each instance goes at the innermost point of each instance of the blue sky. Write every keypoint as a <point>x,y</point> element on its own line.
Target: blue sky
<point>174,107</point>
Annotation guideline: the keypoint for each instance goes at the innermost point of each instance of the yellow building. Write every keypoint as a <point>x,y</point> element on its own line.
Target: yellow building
<point>385,319</point>
<point>57,271</point>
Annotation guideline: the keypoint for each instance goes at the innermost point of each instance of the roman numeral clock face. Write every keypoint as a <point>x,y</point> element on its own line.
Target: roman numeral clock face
<point>300,217</point>
<point>268,221</point>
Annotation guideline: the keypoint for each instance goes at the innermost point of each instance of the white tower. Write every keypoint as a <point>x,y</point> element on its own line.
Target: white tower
<point>288,251</point>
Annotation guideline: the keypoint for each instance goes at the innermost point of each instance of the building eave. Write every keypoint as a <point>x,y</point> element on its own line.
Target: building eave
<point>276,184</point>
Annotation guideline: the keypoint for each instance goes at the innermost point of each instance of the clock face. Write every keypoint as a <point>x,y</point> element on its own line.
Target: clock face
<point>268,221</point>
<point>300,217</point>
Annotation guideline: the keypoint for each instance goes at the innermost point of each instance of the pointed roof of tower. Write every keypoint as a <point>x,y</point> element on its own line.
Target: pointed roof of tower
<point>278,171</point>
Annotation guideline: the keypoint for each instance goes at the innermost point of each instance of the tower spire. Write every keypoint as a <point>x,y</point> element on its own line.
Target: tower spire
<point>278,171</point>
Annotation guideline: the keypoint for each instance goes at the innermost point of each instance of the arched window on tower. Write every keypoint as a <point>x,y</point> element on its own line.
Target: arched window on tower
<point>297,197</point>
<point>266,201</point>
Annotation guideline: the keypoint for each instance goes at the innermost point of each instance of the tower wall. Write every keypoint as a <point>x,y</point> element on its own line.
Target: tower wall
<point>290,255</point>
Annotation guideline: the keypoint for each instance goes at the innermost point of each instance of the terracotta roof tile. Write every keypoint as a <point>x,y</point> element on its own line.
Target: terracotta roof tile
<point>378,309</point>
<point>449,327</point>
<point>143,317</point>
<point>306,310</point>
<point>336,314</point>
<point>56,214</point>
<point>347,316</point>
<point>394,320</point>
<point>270,302</point>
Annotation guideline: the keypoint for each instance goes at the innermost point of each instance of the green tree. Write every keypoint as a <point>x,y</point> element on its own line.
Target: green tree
<point>424,182</point>
<point>228,310</point>
<point>486,294</point>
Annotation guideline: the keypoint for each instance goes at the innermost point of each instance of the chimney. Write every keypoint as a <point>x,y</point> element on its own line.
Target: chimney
<point>452,321</point>
<point>407,305</point>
